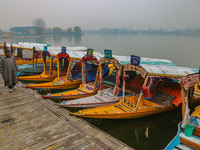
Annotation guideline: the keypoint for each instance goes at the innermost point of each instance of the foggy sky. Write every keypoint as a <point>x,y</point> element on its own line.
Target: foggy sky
<point>96,14</point>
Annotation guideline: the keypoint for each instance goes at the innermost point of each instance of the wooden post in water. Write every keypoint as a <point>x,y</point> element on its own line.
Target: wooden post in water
<point>138,102</point>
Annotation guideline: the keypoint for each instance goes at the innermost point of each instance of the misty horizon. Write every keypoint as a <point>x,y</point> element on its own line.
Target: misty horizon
<point>95,15</point>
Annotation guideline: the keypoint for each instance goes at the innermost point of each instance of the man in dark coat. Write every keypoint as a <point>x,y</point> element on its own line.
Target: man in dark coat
<point>9,70</point>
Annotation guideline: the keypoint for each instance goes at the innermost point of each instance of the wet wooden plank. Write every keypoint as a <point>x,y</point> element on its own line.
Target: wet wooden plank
<point>28,121</point>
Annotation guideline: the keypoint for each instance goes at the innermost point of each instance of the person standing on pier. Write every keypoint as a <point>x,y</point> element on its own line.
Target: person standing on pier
<point>9,70</point>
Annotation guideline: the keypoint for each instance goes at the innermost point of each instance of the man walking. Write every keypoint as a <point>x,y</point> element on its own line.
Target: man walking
<point>9,70</point>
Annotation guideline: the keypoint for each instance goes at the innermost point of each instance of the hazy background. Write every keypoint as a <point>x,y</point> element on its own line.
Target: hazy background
<point>96,14</point>
<point>146,16</point>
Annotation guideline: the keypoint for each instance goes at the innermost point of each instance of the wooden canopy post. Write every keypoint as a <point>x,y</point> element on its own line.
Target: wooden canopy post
<point>138,102</point>
<point>5,48</point>
<point>13,53</point>
<point>69,64</point>
<point>100,74</point>
<point>96,78</point>
<point>50,65</point>
<point>45,64</point>
<point>58,68</point>
<point>118,72</point>
<point>124,82</point>
<point>36,59</point>
<point>183,100</point>
<point>33,57</point>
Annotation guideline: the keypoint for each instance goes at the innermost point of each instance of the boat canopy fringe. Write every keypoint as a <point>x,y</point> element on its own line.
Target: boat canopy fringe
<point>186,83</point>
<point>84,76</point>
<point>63,55</point>
<point>118,65</point>
<point>159,71</point>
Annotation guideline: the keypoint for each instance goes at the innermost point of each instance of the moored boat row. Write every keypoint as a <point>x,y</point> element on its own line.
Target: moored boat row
<point>111,86</point>
<point>159,79</point>
<point>160,92</point>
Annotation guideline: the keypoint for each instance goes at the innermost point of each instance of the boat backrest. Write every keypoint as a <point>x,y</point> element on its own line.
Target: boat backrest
<point>106,93</point>
<point>168,92</point>
<point>135,84</point>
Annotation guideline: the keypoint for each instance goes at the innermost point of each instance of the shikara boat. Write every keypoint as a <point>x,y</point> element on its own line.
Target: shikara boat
<point>105,95</point>
<point>31,53</point>
<point>48,74</point>
<point>186,139</point>
<point>68,64</point>
<point>90,74</point>
<point>160,92</point>
<point>110,80</point>
<point>27,53</point>
<point>36,69</point>
<point>27,56</point>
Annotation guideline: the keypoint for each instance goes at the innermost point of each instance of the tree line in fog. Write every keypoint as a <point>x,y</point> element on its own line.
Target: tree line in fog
<point>58,31</point>
<point>186,31</point>
<point>40,28</point>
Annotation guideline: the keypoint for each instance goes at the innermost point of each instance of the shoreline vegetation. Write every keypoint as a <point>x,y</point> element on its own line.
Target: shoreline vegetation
<point>149,31</point>
<point>40,29</point>
<point>77,31</point>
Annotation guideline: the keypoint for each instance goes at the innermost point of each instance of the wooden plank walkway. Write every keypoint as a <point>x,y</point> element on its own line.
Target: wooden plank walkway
<point>28,121</point>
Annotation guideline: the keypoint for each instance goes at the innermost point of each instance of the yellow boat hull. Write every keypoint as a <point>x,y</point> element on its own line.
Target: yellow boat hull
<point>73,94</point>
<point>43,77</point>
<point>56,85</point>
<point>122,111</point>
<point>40,78</point>
<point>38,61</point>
<point>70,95</point>
<point>130,115</point>
<point>22,62</point>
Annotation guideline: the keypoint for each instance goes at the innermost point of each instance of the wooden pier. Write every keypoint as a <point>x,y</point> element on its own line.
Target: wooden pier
<point>28,121</point>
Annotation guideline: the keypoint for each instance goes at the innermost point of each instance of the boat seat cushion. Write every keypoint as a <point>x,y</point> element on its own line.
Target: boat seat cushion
<point>169,89</point>
<point>162,98</point>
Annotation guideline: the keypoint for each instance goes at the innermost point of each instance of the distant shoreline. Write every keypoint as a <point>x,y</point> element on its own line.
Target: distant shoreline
<point>122,31</point>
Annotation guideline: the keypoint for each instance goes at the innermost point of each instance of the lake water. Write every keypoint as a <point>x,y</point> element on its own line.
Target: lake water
<point>182,50</point>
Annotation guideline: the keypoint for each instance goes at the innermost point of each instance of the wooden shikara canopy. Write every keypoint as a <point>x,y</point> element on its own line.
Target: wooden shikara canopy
<point>90,58</point>
<point>156,71</point>
<point>116,62</point>
<point>190,81</point>
<point>186,83</point>
<point>159,70</point>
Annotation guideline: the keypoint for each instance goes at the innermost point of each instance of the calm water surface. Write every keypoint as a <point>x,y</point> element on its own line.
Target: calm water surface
<point>182,50</point>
